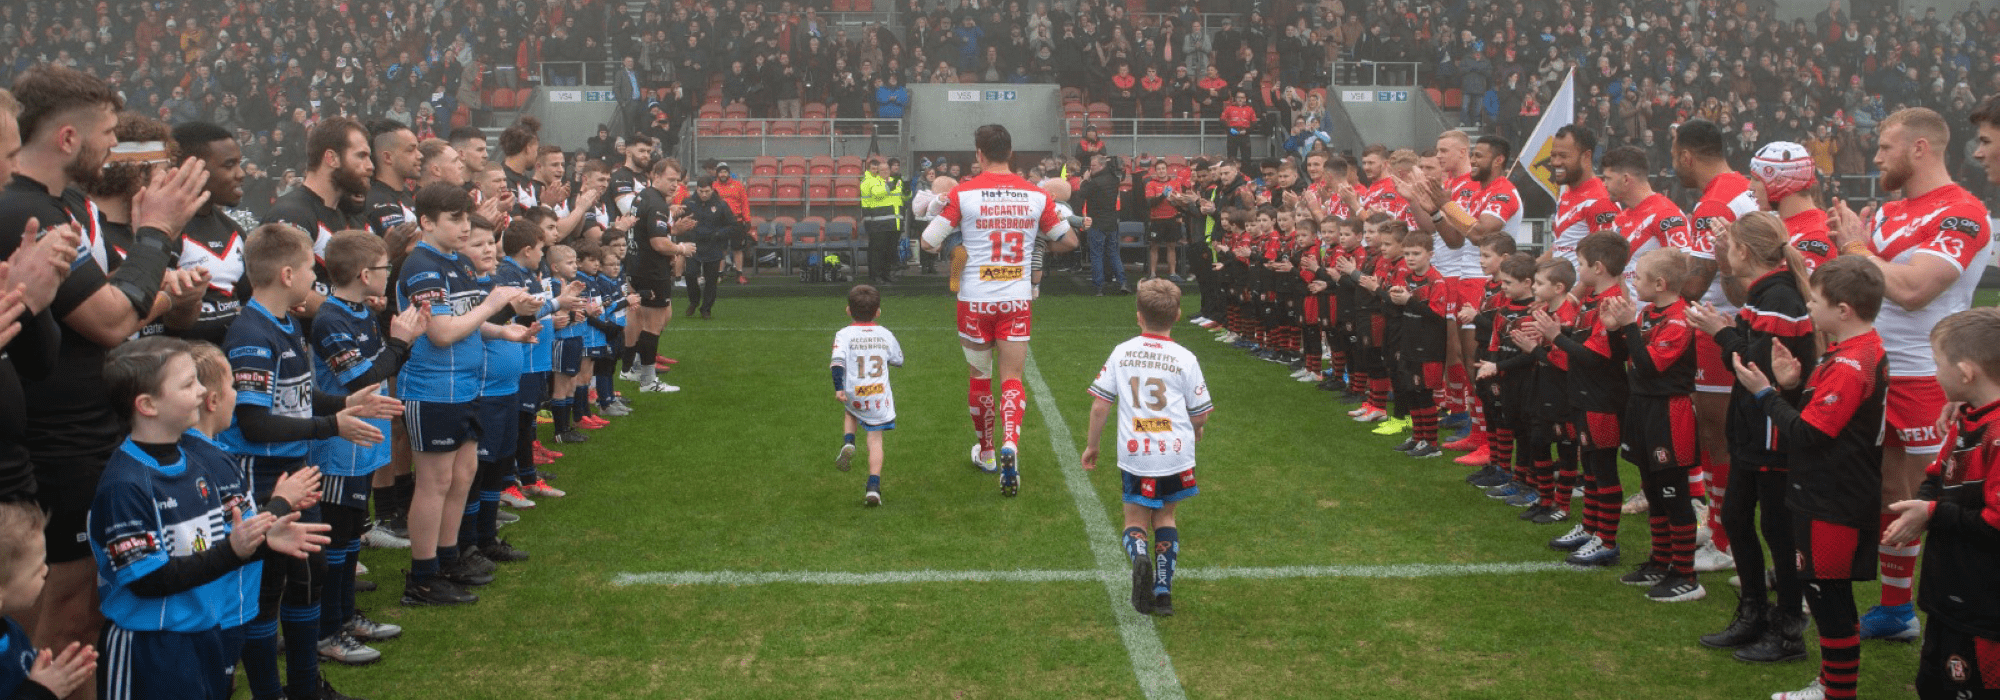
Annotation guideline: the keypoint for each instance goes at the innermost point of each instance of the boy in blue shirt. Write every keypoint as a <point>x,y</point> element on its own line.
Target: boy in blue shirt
<point>523,244</point>
<point>166,528</point>
<point>277,414</point>
<point>25,672</point>
<point>440,387</point>
<point>611,273</point>
<point>569,362</point>
<point>351,353</point>
<point>601,293</point>
<point>500,386</point>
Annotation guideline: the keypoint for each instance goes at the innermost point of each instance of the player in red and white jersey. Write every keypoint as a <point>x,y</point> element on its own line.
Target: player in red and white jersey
<point>1932,247</point>
<point>1700,163</point>
<point>1585,207</point>
<point>1329,192</point>
<point>1649,220</point>
<point>1001,216</point>
<point>1782,175</point>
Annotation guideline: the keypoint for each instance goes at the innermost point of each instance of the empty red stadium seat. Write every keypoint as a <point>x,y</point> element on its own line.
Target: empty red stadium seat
<point>729,127</point>
<point>814,127</point>
<point>760,189</point>
<point>819,165</point>
<point>1098,110</point>
<point>848,165</point>
<point>789,189</point>
<point>813,110</point>
<point>713,111</point>
<point>781,127</point>
<point>1453,98</point>
<point>819,191</point>
<point>736,111</point>
<point>847,190</point>
<point>766,166</point>
<point>792,165</point>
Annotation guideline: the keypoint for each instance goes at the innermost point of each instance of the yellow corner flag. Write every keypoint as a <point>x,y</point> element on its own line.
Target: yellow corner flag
<point>1561,112</point>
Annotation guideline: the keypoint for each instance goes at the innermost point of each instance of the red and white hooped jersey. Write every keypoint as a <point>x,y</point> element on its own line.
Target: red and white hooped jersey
<point>1655,222</point>
<point>1583,209</point>
<point>1949,223</point>
<point>1727,198</point>
<point>1000,216</point>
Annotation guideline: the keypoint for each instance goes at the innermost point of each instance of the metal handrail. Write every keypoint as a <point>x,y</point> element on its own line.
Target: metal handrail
<point>1377,73</point>
<point>582,68</point>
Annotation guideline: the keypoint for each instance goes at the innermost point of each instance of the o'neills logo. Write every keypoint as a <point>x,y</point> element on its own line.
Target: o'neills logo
<point>997,307</point>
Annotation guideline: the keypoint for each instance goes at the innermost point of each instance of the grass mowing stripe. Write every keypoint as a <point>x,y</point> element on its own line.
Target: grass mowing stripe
<point>1142,642</point>
<point>1220,573</point>
<point>848,578</point>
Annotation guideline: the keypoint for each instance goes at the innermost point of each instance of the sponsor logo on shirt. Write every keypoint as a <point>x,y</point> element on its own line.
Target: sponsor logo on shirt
<point>1152,425</point>
<point>869,389</point>
<point>1000,273</point>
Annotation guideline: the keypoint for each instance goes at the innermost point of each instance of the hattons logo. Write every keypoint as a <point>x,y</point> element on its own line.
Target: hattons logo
<point>1152,425</point>
<point>1000,273</point>
<point>870,389</point>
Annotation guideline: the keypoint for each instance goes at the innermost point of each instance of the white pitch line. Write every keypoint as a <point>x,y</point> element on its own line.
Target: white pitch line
<point>1220,573</point>
<point>1142,641</point>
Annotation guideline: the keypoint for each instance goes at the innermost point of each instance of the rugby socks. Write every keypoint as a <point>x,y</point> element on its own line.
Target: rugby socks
<point>260,659</point>
<point>1839,636</point>
<point>425,568</point>
<point>301,625</point>
<point>1339,366</point>
<point>649,348</point>
<point>1898,565</point>
<point>468,526</point>
<point>1454,383</point>
<point>875,482</point>
<point>384,498</point>
<point>1698,479</point>
<point>1166,557</point>
<point>602,380</point>
<point>406,490</point>
<point>848,438</point>
<point>1566,475</point>
<point>1502,449</point>
<point>580,403</point>
<point>561,408</point>
<point>1673,523</point>
<point>1425,424</point>
<point>1602,494</point>
<point>1378,392</point>
<point>1545,477</point>
<point>979,401</point>
<point>1135,543</point>
<point>1718,489</point>
<point>1013,403</point>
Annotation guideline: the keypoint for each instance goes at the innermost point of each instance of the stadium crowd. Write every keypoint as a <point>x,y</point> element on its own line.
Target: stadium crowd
<point>166,349</point>
<point>270,70</point>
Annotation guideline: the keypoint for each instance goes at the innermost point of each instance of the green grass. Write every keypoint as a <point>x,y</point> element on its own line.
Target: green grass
<point>734,473</point>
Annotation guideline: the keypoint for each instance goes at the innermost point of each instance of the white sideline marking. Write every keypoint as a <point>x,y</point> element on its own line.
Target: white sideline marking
<point>1220,573</point>
<point>1142,641</point>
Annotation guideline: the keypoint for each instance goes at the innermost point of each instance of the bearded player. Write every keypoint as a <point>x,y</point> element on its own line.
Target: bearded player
<point>1000,215</point>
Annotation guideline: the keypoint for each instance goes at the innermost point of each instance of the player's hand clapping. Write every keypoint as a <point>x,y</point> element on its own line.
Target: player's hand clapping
<point>301,488</point>
<point>1705,318</point>
<point>63,673</point>
<point>1618,312</point>
<point>1399,294</point>
<point>410,324</point>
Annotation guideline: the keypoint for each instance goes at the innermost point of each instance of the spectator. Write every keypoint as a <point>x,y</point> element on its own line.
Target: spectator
<point>891,98</point>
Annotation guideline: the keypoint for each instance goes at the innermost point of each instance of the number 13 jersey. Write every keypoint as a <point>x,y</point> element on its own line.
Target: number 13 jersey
<point>1000,215</point>
<point>866,351</point>
<point>1158,388</point>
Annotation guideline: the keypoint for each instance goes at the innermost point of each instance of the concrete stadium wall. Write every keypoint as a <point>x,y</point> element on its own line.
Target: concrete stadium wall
<point>943,116</point>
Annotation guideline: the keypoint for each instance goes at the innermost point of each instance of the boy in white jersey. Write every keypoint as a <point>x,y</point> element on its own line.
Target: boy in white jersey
<point>1163,404</point>
<point>1001,217</point>
<point>870,350</point>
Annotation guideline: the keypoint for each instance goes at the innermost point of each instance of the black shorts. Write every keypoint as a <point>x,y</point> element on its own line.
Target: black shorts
<point>498,427</point>
<point>654,292</point>
<point>741,239</point>
<point>1163,231</point>
<point>1833,552</point>
<point>346,491</point>
<point>1659,432</point>
<point>569,355</point>
<point>534,385</point>
<point>441,427</point>
<point>1958,665</point>
<point>65,492</point>
<point>1597,430</point>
